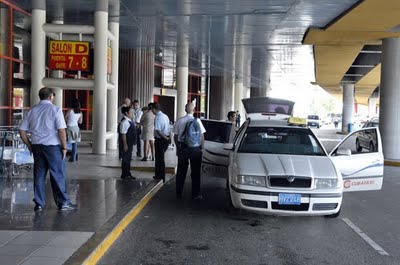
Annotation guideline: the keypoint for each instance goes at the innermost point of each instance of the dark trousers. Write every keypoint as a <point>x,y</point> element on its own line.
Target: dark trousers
<point>49,158</point>
<point>194,155</point>
<point>138,143</point>
<point>161,146</point>
<point>126,162</point>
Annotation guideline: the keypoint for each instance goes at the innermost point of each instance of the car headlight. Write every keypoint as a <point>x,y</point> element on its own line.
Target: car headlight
<point>326,183</point>
<point>251,180</point>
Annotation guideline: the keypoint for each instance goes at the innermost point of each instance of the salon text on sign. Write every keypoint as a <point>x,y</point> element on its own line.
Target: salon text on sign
<point>69,55</point>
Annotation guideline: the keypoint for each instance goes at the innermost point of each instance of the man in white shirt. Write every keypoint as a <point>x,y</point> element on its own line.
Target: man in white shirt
<point>162,139</point>
<point>126,103</point>
<point>188,152</point>
<point>127,134</point>
<point>137,115</point>
<point>47,142</point>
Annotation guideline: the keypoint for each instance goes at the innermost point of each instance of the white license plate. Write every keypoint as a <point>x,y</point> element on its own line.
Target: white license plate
<point>289,198</point>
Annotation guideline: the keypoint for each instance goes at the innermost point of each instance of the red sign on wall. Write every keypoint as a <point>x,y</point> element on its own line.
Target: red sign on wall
<point>69,55</point>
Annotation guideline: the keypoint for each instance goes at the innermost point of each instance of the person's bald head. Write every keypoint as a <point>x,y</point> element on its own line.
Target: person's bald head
<point>127,102</point>
<point>189,108</point>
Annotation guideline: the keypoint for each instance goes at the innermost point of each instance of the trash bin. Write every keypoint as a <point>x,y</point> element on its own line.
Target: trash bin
<point>349,127</point>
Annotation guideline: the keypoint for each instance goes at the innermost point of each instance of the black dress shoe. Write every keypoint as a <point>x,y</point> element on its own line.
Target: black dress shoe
<point>68,207</point>
<point>38,208</point>
<point>155,177</point>
<point>143,159</point>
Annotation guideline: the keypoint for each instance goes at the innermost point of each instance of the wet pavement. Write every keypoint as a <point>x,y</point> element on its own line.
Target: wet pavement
<point>51,236</point>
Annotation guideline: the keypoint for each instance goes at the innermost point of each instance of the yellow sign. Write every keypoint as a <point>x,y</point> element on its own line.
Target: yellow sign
<point>109,60</point>
<point>69,55</point>
<point>69,47</point>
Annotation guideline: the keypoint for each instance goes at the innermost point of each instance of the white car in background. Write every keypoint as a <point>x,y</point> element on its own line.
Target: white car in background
<point>277,165</point>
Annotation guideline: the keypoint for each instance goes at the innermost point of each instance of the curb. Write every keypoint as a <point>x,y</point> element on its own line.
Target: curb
<point>392,163</point>
<point>168,170</point>
<point>95,248</point>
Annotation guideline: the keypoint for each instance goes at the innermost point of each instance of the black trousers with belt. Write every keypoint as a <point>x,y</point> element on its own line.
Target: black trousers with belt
<point>194,156</point>
<point>161,146</point>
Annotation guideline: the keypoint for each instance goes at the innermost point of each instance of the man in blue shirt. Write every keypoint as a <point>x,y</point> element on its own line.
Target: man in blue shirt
<point>47,142</point>
<point>162,139</point>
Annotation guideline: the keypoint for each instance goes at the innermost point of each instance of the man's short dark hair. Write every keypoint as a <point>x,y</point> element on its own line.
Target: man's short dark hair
<point>230,114</point>
<point>156,106</point>
<point>135,101</point>
<point>46,93</point>
<point>149,105</point>
<point>125,110</point>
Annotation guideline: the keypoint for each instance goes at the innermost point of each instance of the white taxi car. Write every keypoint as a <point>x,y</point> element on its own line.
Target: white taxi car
<point>275,165</point>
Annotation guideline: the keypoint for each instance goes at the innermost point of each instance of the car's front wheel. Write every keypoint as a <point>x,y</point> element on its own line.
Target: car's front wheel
<point>358,146</point>
<point>371,147</point>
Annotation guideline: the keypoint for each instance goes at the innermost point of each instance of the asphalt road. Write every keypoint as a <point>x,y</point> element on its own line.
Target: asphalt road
<point>171,231</point>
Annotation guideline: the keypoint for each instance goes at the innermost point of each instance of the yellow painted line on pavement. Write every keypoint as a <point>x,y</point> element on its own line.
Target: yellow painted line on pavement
<point>392,163</point>
<point>98,253</point>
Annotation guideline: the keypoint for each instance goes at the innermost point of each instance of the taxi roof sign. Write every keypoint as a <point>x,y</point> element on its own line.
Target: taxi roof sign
<point>297,121</point>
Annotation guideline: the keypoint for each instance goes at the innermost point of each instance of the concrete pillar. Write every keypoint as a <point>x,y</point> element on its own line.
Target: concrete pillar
<point>182,59</point>
<point>372,107</point>
<point>112,97</point>
<point>264,77</point>
<point>100,77</point>
<point>389,123</point>
<point>227,91</point>
<point>238,80</point>
<point>246,75</point>
<point>38,54</point>
<point>348,106</point>
<point>58,100</point>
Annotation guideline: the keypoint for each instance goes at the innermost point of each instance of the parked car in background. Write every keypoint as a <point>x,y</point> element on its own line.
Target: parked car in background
<point>313,121</point>
<point>367,139</point>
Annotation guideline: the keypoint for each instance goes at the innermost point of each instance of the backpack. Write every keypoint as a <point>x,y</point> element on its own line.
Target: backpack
<point>192,134</point>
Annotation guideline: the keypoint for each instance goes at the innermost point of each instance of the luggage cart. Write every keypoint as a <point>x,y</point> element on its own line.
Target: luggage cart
<point>14,154</point>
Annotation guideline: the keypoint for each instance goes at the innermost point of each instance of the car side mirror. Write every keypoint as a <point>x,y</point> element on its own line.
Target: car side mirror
<point>343,152</point>
<point>228,146</point>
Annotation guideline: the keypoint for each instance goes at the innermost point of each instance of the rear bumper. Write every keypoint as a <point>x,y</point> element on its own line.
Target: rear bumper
<point>267,202</point>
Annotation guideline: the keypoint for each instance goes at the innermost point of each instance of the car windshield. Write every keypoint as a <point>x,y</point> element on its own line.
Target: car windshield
<point>313,117</point>
<point>280,140</point>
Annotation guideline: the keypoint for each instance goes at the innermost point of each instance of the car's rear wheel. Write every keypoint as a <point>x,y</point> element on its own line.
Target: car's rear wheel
<point>358,146</point>
<point>335,215</point>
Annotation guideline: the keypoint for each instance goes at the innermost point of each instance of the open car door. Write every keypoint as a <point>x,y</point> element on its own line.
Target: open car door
<point>215,159</point>
<point>361,167</point>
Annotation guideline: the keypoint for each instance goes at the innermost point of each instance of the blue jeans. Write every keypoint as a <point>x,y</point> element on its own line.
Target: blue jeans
<point>74,151</point>
<point>49,158</point>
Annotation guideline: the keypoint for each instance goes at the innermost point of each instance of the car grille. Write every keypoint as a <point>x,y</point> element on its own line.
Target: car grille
<point>284,181</point>
<point>296,208</point>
